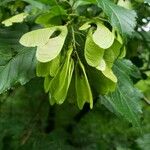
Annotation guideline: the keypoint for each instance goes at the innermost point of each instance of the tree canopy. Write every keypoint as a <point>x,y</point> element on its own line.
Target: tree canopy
<point>74,74</point>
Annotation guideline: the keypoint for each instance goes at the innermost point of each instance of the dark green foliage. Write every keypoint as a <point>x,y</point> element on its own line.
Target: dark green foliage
<point>17,64</point>
<point>29,122</point>
<point>125,100</point>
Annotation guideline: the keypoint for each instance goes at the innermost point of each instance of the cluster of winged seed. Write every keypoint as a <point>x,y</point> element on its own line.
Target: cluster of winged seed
<point>65,73</point>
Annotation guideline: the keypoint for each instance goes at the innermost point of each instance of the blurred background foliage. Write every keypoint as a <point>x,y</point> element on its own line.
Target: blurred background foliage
<point>27,121</point>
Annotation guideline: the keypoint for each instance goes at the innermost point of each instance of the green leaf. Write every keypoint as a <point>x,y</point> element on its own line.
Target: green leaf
<point>141,1</point>
<point>102,36</point>
<point>147,1</point>
<point>93,53</point>
<point>120,18</point>
<point>82,86</point>
<point>15,19</point>
<point>144,142</point>
<point>125,101</point>
<point>53,17</point>
<point>20,69</point>
<point>36,4</point>
<point>60,83</point>
<point>83,2</point>
<point>9,37</point>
